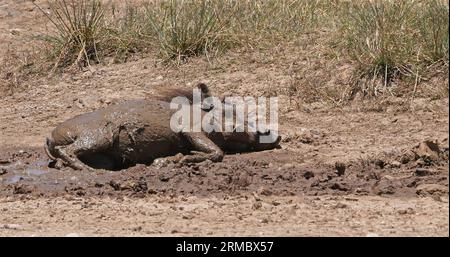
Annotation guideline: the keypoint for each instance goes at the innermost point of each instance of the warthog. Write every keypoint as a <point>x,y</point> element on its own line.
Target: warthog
<point>139,132</point>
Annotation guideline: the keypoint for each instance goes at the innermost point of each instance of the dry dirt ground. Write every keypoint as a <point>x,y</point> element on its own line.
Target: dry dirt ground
<point>353,170</point>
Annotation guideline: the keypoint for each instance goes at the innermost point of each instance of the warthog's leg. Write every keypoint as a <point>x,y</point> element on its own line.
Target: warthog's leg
<point>204,149</point>
<point>88,144</point>
<point>68,154</point>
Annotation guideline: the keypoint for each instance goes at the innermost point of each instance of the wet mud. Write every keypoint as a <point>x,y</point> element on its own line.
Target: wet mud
<point>25,172</point>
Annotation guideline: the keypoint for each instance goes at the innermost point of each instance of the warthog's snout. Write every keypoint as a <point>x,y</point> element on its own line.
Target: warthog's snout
<point>266,140</point>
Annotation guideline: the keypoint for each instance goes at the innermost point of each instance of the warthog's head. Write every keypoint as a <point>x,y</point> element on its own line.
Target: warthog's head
<point>239,137</point>
<point>235,142</point>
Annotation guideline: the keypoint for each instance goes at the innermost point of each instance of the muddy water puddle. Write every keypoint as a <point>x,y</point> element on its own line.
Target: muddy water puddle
<point>19,171</point>
<point>262,173</point>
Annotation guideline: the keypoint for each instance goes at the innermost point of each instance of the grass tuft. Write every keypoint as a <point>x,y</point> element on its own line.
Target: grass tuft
<point>390,39</point>
<point>188,28</point>
<point>79,26</point>
<point>386,39</point>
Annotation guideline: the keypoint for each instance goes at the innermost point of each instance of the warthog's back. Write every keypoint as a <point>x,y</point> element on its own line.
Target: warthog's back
<point>138,114</point>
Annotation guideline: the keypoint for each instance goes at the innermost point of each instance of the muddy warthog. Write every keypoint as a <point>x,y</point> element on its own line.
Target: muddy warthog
<point>139,132</point>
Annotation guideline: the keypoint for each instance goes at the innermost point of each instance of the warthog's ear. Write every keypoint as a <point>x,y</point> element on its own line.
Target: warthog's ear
<point>204,89</point>
<point>205,94</point>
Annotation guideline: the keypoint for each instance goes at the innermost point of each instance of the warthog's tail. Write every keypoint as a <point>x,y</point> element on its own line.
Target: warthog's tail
<point>49,148</point>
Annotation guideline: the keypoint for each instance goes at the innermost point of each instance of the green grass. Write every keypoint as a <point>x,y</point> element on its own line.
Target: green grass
<point>86,30</point>
<point>395,38</point>
<point>79,30</point>
<point>432,23</point>
<point>182,29</point>
<point>386,39</point>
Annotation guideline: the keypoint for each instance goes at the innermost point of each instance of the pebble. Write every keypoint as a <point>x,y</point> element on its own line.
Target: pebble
<point>308,174</point>
<point>396,164</point>
<point>11,226</point>
<point>423,172</point>
<point>428,150</point>
<point>257,205</point>
<point>431,189</point>
<point>340,206</point>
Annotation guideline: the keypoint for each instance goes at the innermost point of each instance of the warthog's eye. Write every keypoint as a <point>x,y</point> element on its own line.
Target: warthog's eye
<point>207,107</point>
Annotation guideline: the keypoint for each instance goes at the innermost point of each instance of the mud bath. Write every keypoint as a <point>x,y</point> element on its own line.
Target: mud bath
<point>26,172</point>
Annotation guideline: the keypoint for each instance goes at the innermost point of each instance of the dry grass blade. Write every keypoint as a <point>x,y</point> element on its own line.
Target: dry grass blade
<point>391,39</point>
<point>78,31</point>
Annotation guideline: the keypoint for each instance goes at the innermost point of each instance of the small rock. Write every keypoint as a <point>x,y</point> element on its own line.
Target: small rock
<point>420,163</point>
<point>11,226</point>
<point>164,177</point>
<point>256,196</point>
<point>22,189</point>
<point>140,186</point>
<point>243,181</point>
<point>340,168</point>
<point>406,211</point>
<point>257,205</point>
<point>428,150</point>
<point>340,206</point>
<point>137,229</point>
<point>385,187</point>
<point>275,203</point>
<point>152,191</point>
<point>407,157</point>
<point>388,177</point>
<point>265,192</point>
<point>437,198</point>
<point>339,186</point>
<point>308,174</point>
<point>188,216</point>
<point>287,138</point>
<point>359,190</point>
<point>15,32</point>
<point>306,137</point>
<point>396,164</point>
<point>3,171</point>
<point>402,212</point>
<point>380,163</point>
<point>265,220</point>
<point>423,172</point>
<point>287,166</point>
<point>431,189</point>
<point>115,185</point>
<point>160,163</point>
